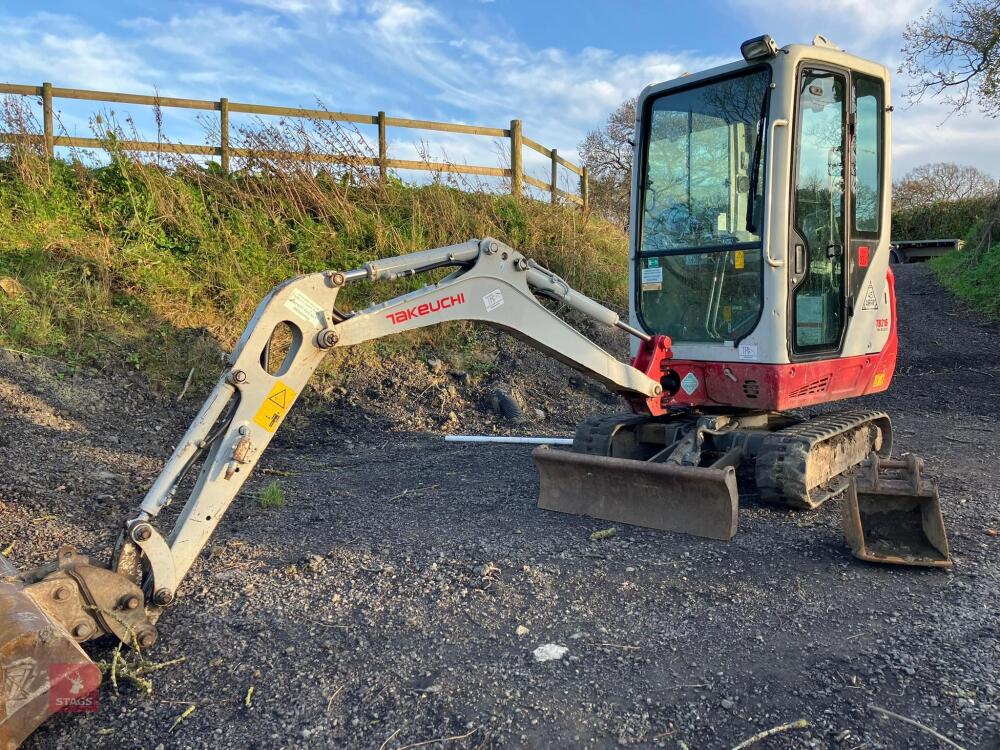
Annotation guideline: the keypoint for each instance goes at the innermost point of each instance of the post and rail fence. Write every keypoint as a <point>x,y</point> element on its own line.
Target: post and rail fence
<point>517,140</point>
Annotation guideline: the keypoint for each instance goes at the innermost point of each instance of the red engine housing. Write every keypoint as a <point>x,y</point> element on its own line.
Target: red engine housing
<point>764,387</point>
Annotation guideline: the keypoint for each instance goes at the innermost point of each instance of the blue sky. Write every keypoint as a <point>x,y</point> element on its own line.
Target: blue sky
<point>559,66</point>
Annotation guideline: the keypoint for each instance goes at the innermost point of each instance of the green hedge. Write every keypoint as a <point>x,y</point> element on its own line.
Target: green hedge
<point>941,220</point>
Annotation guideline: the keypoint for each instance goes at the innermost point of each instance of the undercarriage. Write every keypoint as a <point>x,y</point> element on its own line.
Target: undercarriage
<point>699,464</point>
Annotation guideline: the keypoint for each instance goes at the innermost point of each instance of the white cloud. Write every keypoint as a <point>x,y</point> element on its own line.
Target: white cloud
<point>186,34</point>
<point>412,59</point>
<point>57,48</point>
<point>859,26</point>
<point>395,19</point>
<point>399,55</point>
<point>299,7</point>
<point>925,133</point>
<point>558,94</point>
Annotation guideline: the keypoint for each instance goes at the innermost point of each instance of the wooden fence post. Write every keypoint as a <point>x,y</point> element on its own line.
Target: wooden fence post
<point>585,190</point>
<point>554,187</point>
<point>383,150</point>
<point>224,134</point>
<point>516,167</point>
<point>50,149</point>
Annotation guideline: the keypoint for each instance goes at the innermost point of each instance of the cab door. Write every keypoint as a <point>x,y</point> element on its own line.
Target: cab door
<point>817,270</point>
<point>867,156</point>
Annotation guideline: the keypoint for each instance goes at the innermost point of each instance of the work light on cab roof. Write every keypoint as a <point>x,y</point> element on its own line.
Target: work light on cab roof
<point>759,48</point>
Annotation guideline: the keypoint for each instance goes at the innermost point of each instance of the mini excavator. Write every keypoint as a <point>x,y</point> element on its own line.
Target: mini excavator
<point>759,286</point>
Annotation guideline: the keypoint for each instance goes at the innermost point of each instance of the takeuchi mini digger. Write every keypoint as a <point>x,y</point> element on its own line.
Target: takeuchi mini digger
<point>759,285</point>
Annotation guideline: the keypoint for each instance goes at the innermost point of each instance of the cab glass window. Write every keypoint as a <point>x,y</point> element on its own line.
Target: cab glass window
<point>869,111</point>
<point>702,208</point>
<point>819,209</point>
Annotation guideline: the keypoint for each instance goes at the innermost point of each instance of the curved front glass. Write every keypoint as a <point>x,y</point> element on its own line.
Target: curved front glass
<point>702,206</point>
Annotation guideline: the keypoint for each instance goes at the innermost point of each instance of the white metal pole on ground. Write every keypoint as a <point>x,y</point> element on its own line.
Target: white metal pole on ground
<point>507,439</point>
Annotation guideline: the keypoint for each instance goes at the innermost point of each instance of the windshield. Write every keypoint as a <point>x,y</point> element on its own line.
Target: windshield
<point>702,209</point>
<point>703,158</point>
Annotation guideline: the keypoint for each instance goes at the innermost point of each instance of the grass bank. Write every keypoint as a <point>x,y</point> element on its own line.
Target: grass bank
<point>974,276</point>
<point>160,266</point>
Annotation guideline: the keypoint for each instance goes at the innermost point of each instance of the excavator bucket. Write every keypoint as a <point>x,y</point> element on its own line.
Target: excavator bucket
<point>43,670</point>
<point>891,514</point>
<point>698,501</point>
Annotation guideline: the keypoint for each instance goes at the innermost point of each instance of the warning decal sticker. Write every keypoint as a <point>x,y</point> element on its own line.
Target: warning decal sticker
<point>748,351</point>
<point>493,300</point>
<point>690,383</point>
<point>272,411</point>
<point>871,301</point>
<point>305,308</point>
<point>652,279</point>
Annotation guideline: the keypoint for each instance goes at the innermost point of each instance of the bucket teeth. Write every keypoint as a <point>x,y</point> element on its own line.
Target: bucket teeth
<point>892,514</point>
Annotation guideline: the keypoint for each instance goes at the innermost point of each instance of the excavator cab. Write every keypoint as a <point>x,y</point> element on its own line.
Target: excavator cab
<point>760,240</point>
<point>759,264</point>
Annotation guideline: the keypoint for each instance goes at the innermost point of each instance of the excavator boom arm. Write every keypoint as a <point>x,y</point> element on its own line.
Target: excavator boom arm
<point>56,607</point>
<point>493,284</point>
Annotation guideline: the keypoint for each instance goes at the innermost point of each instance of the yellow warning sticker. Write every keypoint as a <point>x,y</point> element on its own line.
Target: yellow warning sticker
<point>879,380</point>
<point>739,259</point>
<point>272,411</point>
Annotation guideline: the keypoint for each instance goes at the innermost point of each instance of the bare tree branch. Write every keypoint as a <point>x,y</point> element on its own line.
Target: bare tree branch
<point>954,55</point>
<point>607,154</point>
<point>943,181</point>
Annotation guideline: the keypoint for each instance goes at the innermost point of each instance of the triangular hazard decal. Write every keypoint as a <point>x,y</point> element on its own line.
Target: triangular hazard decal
<point>279,398</point>
<point>871,301</point>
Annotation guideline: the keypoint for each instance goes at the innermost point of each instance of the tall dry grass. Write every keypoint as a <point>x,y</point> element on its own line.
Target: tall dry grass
<point>151,257</point>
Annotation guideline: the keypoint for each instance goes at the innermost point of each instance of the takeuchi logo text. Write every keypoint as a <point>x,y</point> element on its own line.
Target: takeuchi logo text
<point>426,308</point>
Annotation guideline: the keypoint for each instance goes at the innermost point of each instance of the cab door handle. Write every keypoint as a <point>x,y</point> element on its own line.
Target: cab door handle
<point>800,258</point>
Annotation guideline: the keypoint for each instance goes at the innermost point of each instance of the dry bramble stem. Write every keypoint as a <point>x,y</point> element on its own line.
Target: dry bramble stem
<point>918,725</point>
<point>799,724</point>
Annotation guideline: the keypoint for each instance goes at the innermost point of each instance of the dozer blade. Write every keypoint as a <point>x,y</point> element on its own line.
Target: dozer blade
<point>892,515</point>
<point>42,668</point>
<point>698,501</point>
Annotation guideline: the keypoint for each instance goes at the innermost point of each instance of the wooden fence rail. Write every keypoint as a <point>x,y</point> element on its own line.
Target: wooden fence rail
<point>518,141</point>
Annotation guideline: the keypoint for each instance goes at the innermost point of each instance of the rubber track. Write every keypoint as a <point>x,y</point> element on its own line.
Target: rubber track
<point>782,461</point>
<point>594,435</point>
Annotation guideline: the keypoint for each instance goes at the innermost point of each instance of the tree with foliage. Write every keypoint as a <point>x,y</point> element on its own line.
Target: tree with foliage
<point>607,154</point>
<point>942,181</point>
<point>954,54</point>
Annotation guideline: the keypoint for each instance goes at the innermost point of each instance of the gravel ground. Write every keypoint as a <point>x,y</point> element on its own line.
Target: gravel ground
<point>398,595</point>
